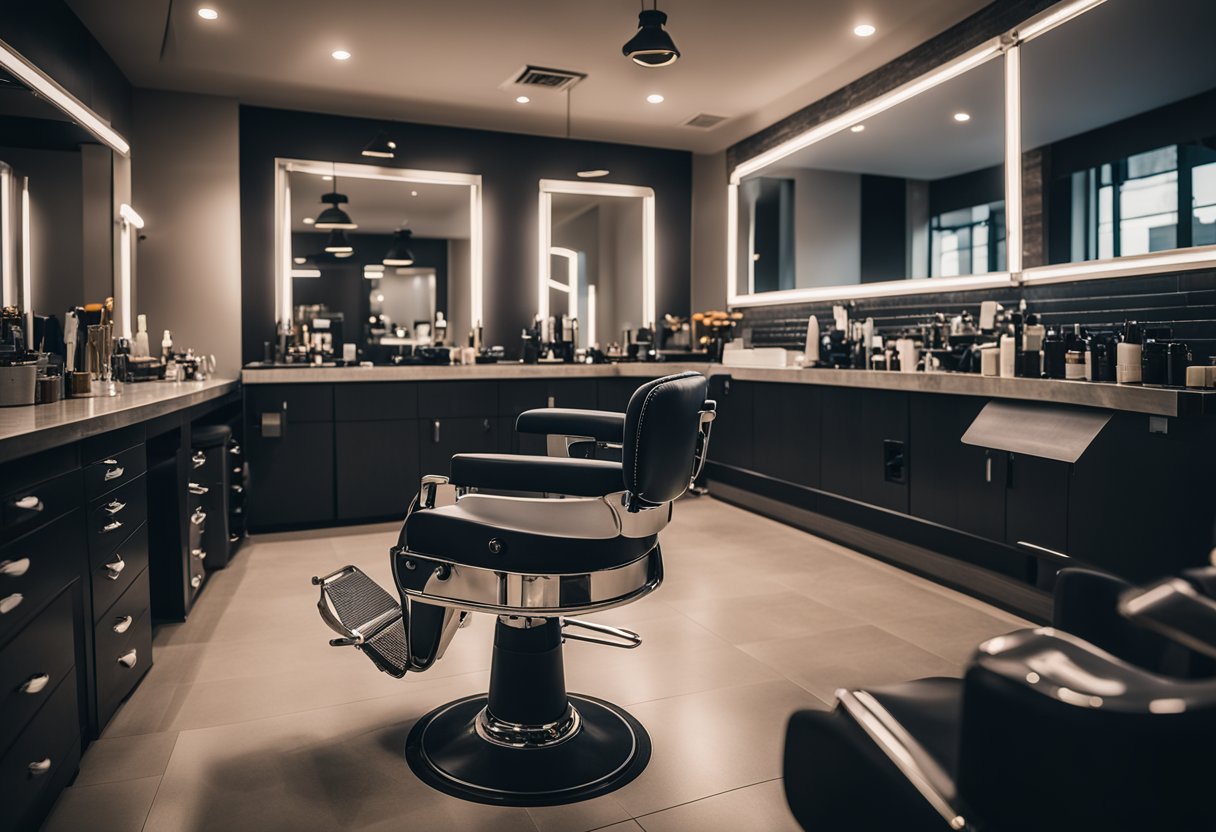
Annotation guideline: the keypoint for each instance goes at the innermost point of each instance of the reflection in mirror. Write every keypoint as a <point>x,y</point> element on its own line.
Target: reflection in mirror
<point>381,264</point>
<point>599,271</point>
<point>1119,151</point>
<point>916,191</point>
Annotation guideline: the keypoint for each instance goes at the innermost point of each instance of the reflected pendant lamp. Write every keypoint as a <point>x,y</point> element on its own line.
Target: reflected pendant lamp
<point>334,217</point>
<point>399,253</point>
<point>381,147</point>
<point>337,244</point>
<point>651,46</point>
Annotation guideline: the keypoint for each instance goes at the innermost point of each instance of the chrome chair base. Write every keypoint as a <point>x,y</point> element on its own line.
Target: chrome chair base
<point>607,749</point>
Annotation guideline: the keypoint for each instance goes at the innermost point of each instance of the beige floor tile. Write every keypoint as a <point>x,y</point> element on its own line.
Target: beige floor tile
<point>759,807</point>
<point>135,757</point>
<point>105,807</point>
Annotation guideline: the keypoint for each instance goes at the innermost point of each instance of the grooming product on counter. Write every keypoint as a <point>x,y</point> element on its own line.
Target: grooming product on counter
<point>840,315</point>
<point>1177,362</point>
<point>867,341</point>
<point>909,354</point>
<point>140,348</point>
<point>49,389</point>
<point>1054,350</point>
<point>812,342</point>
<point>1074,365</point>
<point>1018,323</point>
<point>1128,355</point>
<point>988,313</point>
<point>1201,375</point>
<point>990,360</point>
<point>17,382</point>
<point>1102,356</point>
<point>1033,334</point>
<point>1008,356</point>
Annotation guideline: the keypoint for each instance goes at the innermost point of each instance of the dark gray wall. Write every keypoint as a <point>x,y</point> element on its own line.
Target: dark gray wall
<point>511,166</point>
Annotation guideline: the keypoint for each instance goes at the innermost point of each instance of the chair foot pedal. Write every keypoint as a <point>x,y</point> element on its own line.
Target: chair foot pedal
<point>615,636</point>
<point>366,617</point>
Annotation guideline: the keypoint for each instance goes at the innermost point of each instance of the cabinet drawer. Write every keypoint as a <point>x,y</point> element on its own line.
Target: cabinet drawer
<point>35,567</point>
<point>33,664</point>
<point>296,402</point>
<point>109,473</point>
<point>122,647</point>
<point>30,767</point>
<point>374,402</point>
<point>458,398</point>
<point>208,465</point>
<point>113,573</point>
<point>40,503</point>
<point>113,517</point>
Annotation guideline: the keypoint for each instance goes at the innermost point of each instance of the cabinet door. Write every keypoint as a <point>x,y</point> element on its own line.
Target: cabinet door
<point>443,438</point>
<point>515,397</point>
<point>785,432</point>
<point>375,401</point>
<point>298,402</point>
<point>980,481</point>
<point>731,440</point>
<point>291,477</point>
<point>885,454</point>
<point>1036,503</point>
<point>936,433</point>
<point>840,441</point>
<point>614,393</point>
<point>377,467</point>
<point>440,399</point>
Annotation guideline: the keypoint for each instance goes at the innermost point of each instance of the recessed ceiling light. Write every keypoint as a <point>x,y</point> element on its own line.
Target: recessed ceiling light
<point>593,174</point>
<point>522,99</point>
<point>960,117</point>
<point>208,14</point>
<point>413,193</point>
<point>326,178</point>
<point>857,128</point>
<point>864,30</point>
<point>340,55</point>
<point>654,98</point>
<point>308,220</point>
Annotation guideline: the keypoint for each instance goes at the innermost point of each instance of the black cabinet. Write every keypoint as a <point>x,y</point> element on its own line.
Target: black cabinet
<point>291,475</point>
<point>733,437</point>
<point>377,468</point>
<point>442,438</point>
<point>515,397</point>
<point>440,399</point>
<point>785,432</point>
<point>375,402</point>
<point>885,453</point>
<point>841,436</point>
<point>614,393</point>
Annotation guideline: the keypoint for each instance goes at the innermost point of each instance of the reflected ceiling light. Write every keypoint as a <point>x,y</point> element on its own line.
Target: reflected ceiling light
<point>326,178</point>
<point>961,117</point>
<point>864,30</point>
<point>857,128</point>
<point>399,253</point>
<point>1051,20</point>
<point>305,272</point>
<point>308,220</point>
<point>299,261</point>
<point>380,147</point>
<point>334,217</point>
<point>651,46</point>
<point>208,14</point>
<point>522,99</point>
<point>343,254</point>
<point>413,193</point>
<point>337,244</point>
<point>593,174</point>
<point>340,55</point>
<point>654,98</point>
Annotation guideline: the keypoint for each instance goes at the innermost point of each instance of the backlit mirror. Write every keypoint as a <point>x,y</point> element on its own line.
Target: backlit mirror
<point>597,262</point>
<point>915,191</point>
<point>1119,133</point>
<point>381,259</point>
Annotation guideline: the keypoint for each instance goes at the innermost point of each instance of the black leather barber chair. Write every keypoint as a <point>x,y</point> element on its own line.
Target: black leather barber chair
<point>583,537</point>
<point>1045,732</point>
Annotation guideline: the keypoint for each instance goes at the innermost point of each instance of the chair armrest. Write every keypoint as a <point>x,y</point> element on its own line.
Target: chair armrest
<point>541,474</point>
<point>600,425</point>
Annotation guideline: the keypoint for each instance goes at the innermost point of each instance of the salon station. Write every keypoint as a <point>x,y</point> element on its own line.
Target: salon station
<point>557,417</point>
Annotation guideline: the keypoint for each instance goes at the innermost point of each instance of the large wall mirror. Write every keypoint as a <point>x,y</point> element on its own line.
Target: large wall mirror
<point>60,186</point>
<point>597,258</point>
<point>1119,132</point>
<point>399,269</point>
<point>904,197</point>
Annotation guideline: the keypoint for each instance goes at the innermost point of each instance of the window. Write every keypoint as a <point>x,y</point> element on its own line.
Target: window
<point>968,241</point>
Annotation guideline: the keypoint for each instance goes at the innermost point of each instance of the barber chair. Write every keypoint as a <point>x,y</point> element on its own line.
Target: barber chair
<point>1045,732</point>
<point>582,538</point>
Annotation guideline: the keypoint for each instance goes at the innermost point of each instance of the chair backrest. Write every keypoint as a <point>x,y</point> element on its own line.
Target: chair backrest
<point>662,423</point>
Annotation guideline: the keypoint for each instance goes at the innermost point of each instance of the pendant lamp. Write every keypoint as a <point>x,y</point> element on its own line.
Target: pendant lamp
<point>399,253</point>
<point>651,46</point>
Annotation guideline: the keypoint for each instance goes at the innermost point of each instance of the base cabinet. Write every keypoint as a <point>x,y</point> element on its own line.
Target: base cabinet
<point>377,467</point>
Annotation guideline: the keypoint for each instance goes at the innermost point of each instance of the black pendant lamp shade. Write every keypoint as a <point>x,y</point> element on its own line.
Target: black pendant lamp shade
<point>399,253</point>
<point>337,244</point>
<point>334,217</point>
<point>381,147</point>
<point>651,46</point>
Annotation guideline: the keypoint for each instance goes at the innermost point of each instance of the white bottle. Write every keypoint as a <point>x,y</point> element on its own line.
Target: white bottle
<point>1008,354</point>
<point>812,342</point>
<point>140,348</point>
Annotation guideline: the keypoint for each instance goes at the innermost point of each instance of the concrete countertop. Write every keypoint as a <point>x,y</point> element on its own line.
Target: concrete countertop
<point>26,430</point>
<point>1157,401</point>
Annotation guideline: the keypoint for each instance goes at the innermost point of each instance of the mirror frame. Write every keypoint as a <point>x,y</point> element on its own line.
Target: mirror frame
<point>1006,45</point>
<point>548,187</point>
<point>282,220</point>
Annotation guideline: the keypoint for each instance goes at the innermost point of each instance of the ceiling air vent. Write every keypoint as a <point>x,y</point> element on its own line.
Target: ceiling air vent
<point>704,121</point>
<point>546,78</point>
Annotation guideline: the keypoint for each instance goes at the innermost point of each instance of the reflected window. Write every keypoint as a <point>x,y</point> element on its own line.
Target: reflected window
<point>968,241</point>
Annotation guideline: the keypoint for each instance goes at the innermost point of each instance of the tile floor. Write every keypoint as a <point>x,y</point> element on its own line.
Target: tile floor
<point>248,720</point>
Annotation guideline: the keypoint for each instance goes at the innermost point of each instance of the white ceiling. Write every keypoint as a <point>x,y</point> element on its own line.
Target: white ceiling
<point>381,206</point>
<point>443,62</point>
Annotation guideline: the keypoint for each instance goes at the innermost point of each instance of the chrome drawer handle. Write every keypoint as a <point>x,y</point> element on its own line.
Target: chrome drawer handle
<point>199,459</point>
<point>28,504</point>
<point>129,658</point>
<point>114,568</point>
<point>113,507</point>
<point>41,766</point>
<point>199,517</point>
<point>112,526</point>
<point>14,568</point>
<point>196,489</point>
<point>35,684</point>
<point>196,581</point>
<point>123,624</point>
<point>234,449</point>
<point>11,602</point>
<point>113,473</point>
<point>199,553</point>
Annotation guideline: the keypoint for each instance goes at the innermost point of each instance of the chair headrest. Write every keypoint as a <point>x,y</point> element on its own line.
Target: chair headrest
<point>661,427</point>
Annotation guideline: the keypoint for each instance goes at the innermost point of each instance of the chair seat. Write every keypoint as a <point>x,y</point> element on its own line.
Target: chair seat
<point>930,710</point>
<point>451,534</point>
<point>538,474</point>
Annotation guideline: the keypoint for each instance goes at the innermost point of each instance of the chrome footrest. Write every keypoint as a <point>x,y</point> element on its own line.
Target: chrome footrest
<point>616,636</point>
<point>366,617</point>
